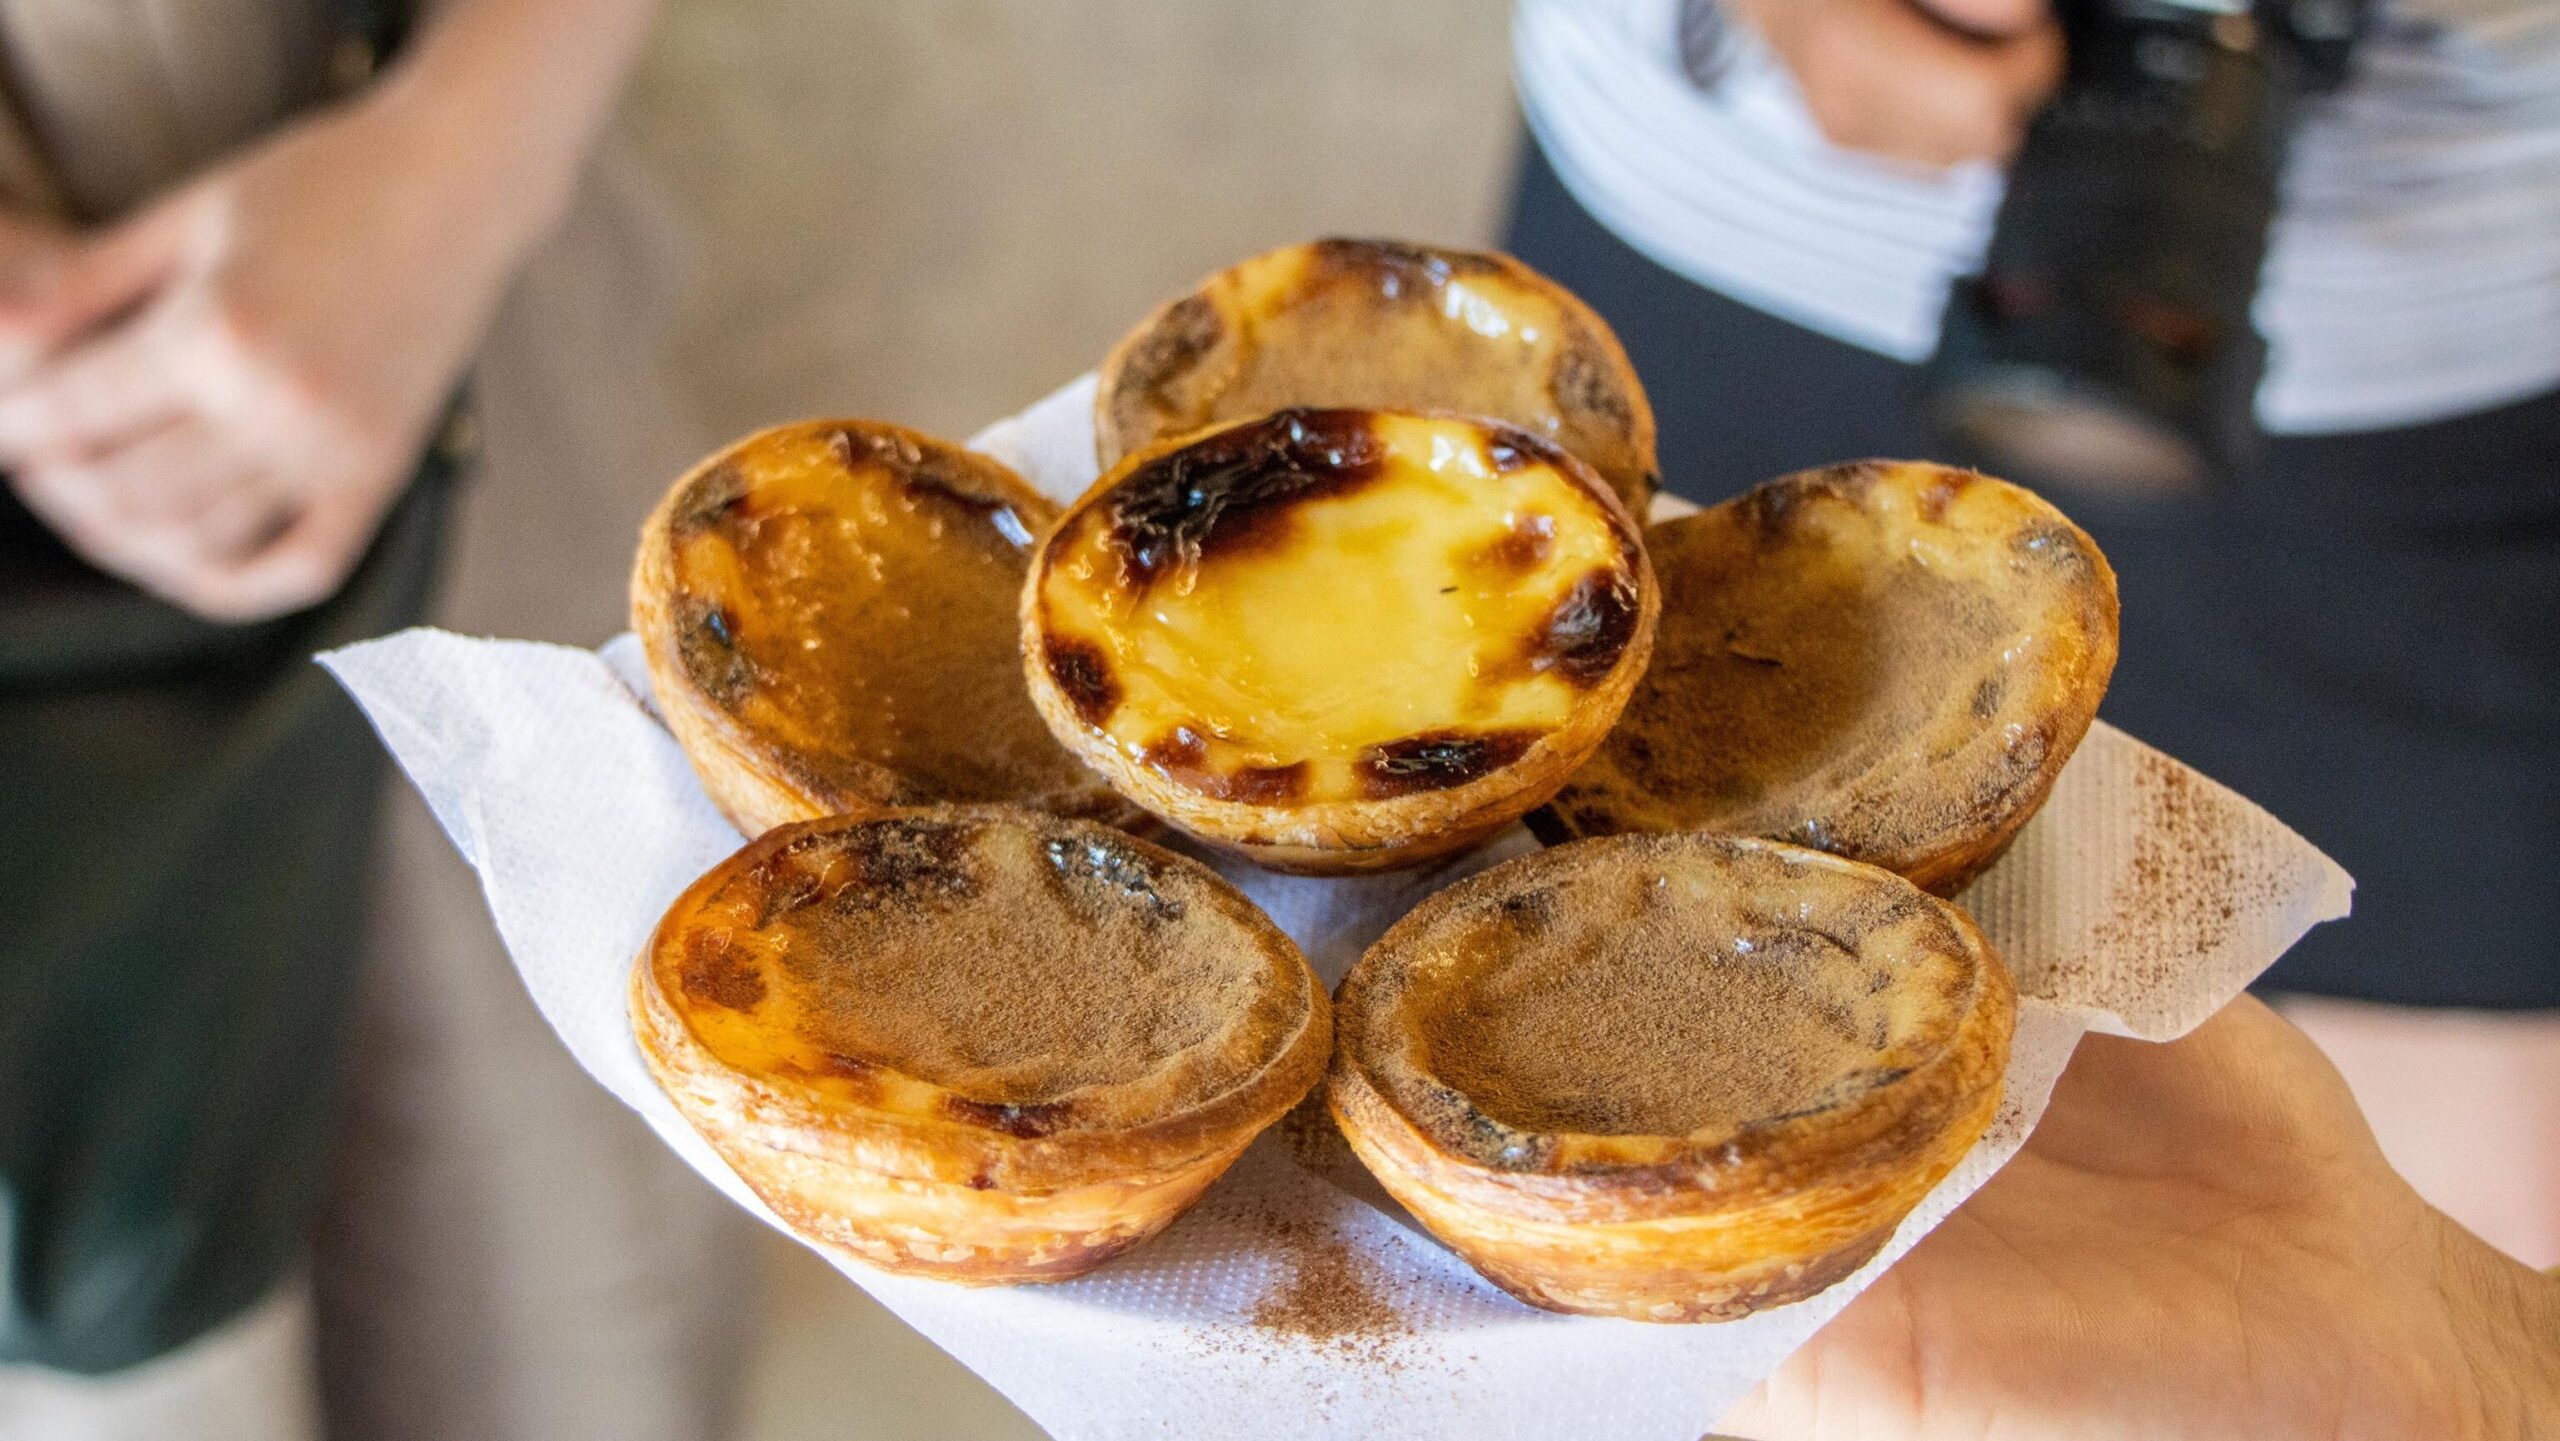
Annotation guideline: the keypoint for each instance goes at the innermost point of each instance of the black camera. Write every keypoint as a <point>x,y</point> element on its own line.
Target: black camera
<point>2107,340</point>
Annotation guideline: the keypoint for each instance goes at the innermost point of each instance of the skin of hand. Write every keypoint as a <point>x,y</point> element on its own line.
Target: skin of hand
<point>219,397</point>
<point>2200,1241</point>
<point>32,256</point>
<point>1926,82</point>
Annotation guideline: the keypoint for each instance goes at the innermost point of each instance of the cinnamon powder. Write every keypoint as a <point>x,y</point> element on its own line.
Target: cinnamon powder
<point>1329,1295</point>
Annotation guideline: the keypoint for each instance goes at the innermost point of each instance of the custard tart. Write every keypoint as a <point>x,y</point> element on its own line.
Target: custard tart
<point>828,614</point>
<point>1339,640</point>
<point>978,1043</point>
<point>1887,660</point>
<point>1383,325</point>
<point>1674,1077</point>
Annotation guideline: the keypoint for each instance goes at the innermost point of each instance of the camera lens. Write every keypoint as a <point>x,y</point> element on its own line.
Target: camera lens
<point>2033,422</point>
<point>2107,342</point>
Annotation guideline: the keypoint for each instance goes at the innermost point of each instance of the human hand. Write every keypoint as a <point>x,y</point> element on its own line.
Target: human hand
<point>2201,1241</point>
<point>33,253</point>
<point>1930,82</point>
<point>221,396</point>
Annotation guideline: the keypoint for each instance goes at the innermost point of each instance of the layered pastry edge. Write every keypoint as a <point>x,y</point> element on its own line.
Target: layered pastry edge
<point>895,1170</point>
<point>1704,1227</point>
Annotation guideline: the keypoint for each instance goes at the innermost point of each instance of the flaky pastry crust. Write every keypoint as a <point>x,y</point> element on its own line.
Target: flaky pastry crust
<point>1339,640</point>
<point>976,1043</point>
<point>827,611</point>
<point>1670,1078</point>
<point>1382,325</point>
<point>1888,660</point>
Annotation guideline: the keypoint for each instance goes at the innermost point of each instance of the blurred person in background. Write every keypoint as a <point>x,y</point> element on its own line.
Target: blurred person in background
<point>242,271</point>
<point>1770,200</point>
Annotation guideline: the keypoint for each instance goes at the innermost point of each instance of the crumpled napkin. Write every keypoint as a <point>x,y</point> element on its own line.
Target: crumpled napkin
<point>1295,1299</point>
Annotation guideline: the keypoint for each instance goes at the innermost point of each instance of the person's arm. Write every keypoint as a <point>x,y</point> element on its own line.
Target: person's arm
<point>2200,1241</point>
<point>223,394</point>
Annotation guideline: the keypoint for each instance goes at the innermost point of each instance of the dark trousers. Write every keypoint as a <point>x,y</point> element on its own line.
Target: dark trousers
<point>2359,633</point>
<point>186,816</point>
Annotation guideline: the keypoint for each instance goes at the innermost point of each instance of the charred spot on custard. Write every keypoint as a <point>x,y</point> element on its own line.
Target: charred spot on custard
<point>2014,768</point>
<point>712,974</point>
<point>795,877</point>
<point>926,472</point>
<point>1941,492</point>
<point>1259,785</point>
<point>1494,1144</point>
<point>913,857</point>
<point>893,861</point>
<point>1438,760</point>
<point>1232,490</point>
<point>1395,266</point>
<point>1988,694</point>
<point>1580,382</point>
<point>1178,340</point>
<point>2055,548</point>
<point>1530,912</point>
<point>846,1068</point>
<point>1511,449</point>
<point>1082,673</point>
<point>1590,628</point>
<point>1523,545</point>
<point>707,647</point>
<point>1099,860</point>
<point>1182,756</point>
<point>714,497</point>
<point>1777,508</point>
<point>1028,1120</point>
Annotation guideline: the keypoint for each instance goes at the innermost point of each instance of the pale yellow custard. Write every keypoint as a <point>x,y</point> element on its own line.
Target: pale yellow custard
<point>1326,608</point>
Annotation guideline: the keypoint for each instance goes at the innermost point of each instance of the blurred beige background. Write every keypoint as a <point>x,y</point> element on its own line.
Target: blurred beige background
<point>938,211</point>
<point>932,211</point>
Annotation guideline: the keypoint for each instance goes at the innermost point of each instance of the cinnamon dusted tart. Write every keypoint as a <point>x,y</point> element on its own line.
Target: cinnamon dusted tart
<point>1674,1077</point>
<point>828,613</point>
<point>1339,640</point>
<point>1888,660</point>
<point>1383,325</point>
<point>978,1043</point>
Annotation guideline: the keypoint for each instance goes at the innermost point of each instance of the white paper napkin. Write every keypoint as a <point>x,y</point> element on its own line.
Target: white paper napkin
<point>1283,1306</point>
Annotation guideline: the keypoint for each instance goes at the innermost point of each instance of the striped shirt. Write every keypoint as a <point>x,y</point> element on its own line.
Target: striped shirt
<point>2413,273</point>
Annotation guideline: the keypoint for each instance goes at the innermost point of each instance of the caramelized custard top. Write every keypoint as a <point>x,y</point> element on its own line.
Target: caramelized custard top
<point>1045,974</point>
<point>1388,326</point>
<point>846,592</point>
<point>1332,605</point>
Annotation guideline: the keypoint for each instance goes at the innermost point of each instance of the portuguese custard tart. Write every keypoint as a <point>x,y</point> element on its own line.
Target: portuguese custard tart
<point>828,613</point>
<point>1383,325</point>
<point>975,1042</point>
<point>1670,1078</point>
<point>1887,660</point>
<point>1339,640</point>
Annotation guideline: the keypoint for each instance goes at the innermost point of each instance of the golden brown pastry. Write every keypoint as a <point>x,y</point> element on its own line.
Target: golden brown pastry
<point>1339,640</point>
<point>1887,660</point>
<point>978,1043</point>
<point>1670,1078</point>
<point>1383,325</point>
<point>828,612</point>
